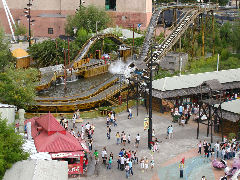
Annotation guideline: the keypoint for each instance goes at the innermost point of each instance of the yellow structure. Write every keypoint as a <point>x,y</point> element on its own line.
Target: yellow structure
<point>23,58</point>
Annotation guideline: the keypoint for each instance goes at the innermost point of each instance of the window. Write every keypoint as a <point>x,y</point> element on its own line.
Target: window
<point>110,5</point>
<point>50,30</point>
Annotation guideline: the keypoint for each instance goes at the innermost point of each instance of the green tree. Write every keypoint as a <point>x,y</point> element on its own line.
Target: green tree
<point>50,52</point>
<point>5,54</point>
<point>82,37</point>
<point>10,147</point>
<point>17,87</point>
<point>86,18</point>
<point>236,36</point>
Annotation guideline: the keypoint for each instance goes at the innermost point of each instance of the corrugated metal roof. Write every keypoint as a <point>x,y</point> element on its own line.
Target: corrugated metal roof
<point>194,80</point>
<point>57,143</point>
<point>232,106</point>
<point>49,123</point>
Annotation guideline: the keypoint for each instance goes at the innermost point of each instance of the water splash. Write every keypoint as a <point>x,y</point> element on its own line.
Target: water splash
<point>119,67</point>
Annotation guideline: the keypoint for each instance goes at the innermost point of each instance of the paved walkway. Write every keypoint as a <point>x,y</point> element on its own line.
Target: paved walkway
<point>166,161</point>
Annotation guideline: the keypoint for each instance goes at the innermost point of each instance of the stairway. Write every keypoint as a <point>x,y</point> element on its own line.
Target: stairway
<point>149,34</point>
<point>181,27</point>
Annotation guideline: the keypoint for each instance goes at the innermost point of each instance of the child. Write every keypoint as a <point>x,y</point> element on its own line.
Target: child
<point>146,164</point>
<point>142,164</point>
<point>152,164</point>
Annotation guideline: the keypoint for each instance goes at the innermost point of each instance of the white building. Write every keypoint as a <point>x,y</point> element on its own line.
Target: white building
<point>7,112</point>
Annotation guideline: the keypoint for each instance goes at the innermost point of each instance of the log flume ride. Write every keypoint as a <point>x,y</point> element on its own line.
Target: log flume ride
<point>108,89</point>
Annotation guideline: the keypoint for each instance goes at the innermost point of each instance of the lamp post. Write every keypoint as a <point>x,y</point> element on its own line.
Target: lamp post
<point>28,15</point>
<point>80,5</point>
<point>150,105</point>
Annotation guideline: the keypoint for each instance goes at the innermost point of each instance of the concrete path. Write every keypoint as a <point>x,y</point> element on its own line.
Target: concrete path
<point>171,152</point>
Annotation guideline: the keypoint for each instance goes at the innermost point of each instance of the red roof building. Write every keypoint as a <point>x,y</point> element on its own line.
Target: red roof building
<point>50,136</point>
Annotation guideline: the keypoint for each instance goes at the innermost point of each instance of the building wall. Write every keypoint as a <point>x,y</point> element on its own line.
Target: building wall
<point>128,12</point>
<point>172,61</point>
<point>8,113</point>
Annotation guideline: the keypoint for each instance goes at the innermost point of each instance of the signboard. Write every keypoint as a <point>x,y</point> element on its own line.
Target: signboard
<point>76,154</point>
<point>75,169</point>
<point>146,123</point>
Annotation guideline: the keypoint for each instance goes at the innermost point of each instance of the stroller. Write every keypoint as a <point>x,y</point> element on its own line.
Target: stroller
<point>234,169</point>
<point>219,164</point>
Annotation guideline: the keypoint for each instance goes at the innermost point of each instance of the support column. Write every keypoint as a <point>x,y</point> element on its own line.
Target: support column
<point>213,33</point>
<point>198,120</point>
<point>161,106</point>
<point>193,37</point>
<point>208,119</point>
<point>21,113</point>
<point>163,22</point>
<point>175,17</point>
<point>203,29</point>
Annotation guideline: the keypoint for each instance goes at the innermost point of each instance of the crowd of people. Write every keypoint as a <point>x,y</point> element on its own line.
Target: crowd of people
<point>223,150</point>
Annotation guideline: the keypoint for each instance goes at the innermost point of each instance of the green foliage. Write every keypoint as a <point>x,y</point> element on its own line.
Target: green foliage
<point>164,73</point>
<point>20,30</point>
<point>109,46</point>
<point>50,52</point>
<point>10,147</point>
<point>138,42</point>
<point>82,37</point>
<point>231,136</point>
<point>236,36</point>
<point>202,65</point>
<point>17,86</point>
<point>230,63</point>
<point>86,17</point>
<point>5,54</point>
<point>225,54</point>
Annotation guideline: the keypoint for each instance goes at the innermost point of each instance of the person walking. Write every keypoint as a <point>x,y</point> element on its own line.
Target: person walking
<point>118,138</point>
<point>138,140</point>
<point>152,164</point>
<point>124,139</point>
<point>217,149</point>
<point>130,167</point>
<point>122,136</point>
<point>119,162</point>
<point>142,164</point>
<point>109,163</point>
<point>170,132</point>
<point>127,170</point>
<point>181,168</point>
<point>200,147</point>
<point>129,113</point>
<point>167,132</point>
<point>146,164</point>
<point>90,145</point>
<point>74,119</point>
<point>122,163</point>
<point>153,134</point>
<point>129,139</point>
<point>96,156</point>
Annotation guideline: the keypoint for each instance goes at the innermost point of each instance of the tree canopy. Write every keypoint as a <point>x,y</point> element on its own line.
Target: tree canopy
<point>86,18</point>
<point>51,52</point>
<point>10,147</point>
<point>17,87</point>
<point>5,54</point>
